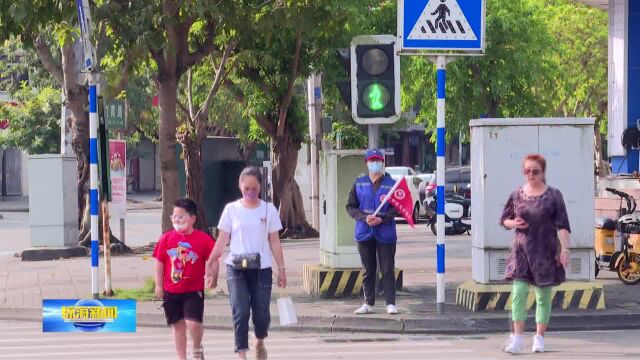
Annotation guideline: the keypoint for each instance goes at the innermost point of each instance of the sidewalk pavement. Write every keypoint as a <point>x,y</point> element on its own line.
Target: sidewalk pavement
<point>23,285</point>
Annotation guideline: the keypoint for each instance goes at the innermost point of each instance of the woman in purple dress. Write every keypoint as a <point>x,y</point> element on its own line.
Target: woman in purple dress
<point>540,250</point>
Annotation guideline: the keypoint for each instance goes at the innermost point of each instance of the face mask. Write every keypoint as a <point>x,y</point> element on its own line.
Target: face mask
<point>375,167</point>
<point>251,195</point>
<point>180,227</point>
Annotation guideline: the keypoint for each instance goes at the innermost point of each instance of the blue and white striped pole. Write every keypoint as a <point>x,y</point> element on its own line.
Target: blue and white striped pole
<point>93,190</point>
<point>441,64</point>
<point>84,20</point>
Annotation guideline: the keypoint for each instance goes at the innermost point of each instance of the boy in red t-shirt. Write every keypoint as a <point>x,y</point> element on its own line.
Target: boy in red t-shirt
<point>181,256</point>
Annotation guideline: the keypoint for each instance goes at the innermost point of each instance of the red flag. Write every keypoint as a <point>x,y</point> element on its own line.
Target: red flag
<point>402,201</point>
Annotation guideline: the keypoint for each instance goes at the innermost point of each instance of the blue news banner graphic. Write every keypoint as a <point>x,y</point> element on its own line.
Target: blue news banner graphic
<point>72,315</point>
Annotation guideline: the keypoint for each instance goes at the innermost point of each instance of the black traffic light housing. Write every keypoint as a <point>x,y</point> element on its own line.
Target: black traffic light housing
<point>375,79</point>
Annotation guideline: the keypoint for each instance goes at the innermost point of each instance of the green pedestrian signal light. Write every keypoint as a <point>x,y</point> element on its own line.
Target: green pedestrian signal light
<point>376,97</point>
<point>375,79</point>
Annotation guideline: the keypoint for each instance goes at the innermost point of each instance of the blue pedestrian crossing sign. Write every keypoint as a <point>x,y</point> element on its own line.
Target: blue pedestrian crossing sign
<point>441,25</point>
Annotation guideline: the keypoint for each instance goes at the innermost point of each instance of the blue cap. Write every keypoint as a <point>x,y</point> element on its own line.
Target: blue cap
<point>374,154</point>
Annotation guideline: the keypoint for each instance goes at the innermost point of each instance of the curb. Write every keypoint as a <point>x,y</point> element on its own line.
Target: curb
<point>429,325</point>
<point>14,209</point>
<point>144,207</point>
<point>134,207</point>
<point>46,254</point>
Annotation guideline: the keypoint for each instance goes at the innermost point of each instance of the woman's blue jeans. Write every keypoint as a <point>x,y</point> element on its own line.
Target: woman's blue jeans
<point>250,295</point>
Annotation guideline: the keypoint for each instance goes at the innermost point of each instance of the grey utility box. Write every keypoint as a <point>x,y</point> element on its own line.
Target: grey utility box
<point>339,170</point>
<point>53,200</point>
<point>498,147</point>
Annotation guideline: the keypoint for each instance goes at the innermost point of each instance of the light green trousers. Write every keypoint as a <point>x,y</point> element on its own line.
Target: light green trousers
<point>519,296</point>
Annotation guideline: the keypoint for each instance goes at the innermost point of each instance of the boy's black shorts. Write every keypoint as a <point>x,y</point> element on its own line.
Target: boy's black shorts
<point>183,306</point>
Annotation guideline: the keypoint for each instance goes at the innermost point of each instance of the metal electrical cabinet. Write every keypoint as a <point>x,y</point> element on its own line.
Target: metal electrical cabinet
<point>338,172</point>
<point>53,200</point>
<point>498,147</point>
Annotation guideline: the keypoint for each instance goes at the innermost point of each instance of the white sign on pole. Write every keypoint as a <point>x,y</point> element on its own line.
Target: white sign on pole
<point>84,19</point>
<point>441,24</point>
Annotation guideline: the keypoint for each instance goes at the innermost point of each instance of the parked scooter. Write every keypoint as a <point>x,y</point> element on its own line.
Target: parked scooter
<point>626,261</point>
<point>457,213</point>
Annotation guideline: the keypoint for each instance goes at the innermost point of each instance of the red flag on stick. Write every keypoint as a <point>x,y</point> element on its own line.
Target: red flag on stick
<point>400,197</point>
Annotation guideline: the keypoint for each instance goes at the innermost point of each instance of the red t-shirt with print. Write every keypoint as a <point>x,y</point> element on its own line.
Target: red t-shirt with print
<point>184,258</point>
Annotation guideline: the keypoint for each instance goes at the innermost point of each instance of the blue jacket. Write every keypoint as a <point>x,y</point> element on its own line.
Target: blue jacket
<point>364,199</point>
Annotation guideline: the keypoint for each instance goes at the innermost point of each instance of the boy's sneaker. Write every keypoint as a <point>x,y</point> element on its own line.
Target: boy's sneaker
<point>198,354</point>
<point>364,309</point>
<point>514,346</point>
<point>392,309</point>
<point>538,344</point>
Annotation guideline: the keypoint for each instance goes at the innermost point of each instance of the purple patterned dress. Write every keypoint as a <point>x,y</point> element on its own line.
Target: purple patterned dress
<point>535,251</point>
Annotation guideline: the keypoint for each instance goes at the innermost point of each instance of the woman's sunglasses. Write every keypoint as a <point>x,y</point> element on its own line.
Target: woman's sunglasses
<point>532,171</point>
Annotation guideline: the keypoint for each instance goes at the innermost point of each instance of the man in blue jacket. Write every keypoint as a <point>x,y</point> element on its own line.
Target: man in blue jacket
<point>375,235</point>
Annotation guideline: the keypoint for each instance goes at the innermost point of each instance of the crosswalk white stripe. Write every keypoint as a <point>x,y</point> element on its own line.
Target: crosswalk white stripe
<point>144,358</point>
<point>7,339</point>
<point>28,337</point>
<point>66,354</point>
<point>26,341</point>
<point>8,326</point>
<point>292,345</point>
<point>216,339</point>
<point>359,352</point>
<point>307,355</point>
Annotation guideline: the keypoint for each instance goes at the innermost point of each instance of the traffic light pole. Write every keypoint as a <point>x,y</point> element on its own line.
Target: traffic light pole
<point>441,65</point>
<point>374,135</point>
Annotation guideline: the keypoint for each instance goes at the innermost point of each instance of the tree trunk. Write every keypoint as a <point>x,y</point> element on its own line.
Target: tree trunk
<point>77,101</point>
<point>406,149</point>
<point>167,99</point>
<point>602,166</point>
<point>247,150</point>
<point>193,168</point>
<point>286,193</point>
<point>80,144</point>
<point>85,230</point>
<point>493,108</point>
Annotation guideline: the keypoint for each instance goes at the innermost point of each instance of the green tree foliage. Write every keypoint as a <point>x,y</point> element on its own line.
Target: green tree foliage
<point>34,123</point>
<point>34,110</point>
<point>580,51</point>
<point>176,35</point>
<point>350,136</point>
<point>289,41</point>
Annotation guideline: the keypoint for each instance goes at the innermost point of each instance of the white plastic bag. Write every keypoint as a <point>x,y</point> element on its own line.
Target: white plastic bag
<point>286,311</point>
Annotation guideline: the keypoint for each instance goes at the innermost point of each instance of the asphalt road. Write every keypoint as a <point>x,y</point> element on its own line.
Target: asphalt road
<point>23,340</point>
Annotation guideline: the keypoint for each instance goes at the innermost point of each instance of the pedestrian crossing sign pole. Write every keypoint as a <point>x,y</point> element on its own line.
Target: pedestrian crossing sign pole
<point>89,66</point>
<point>442,30</point>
